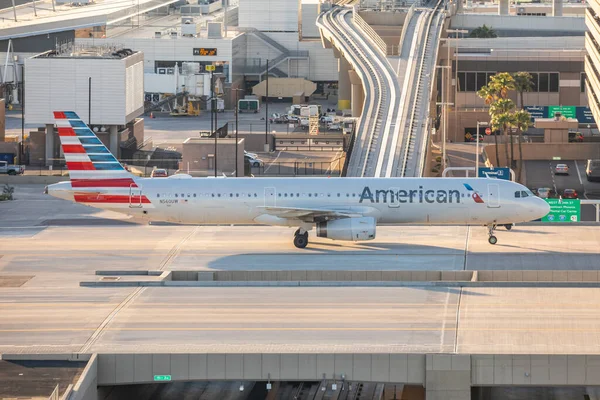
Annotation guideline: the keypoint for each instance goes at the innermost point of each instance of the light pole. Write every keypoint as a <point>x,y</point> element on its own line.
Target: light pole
<point>236,129</point>
<point>444,105</point>
<point>267,111</point>
<point>477,148</point>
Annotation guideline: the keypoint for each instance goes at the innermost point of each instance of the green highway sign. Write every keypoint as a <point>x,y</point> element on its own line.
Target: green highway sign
<point>565,111</point>
<point>565,210</point>
<point>162,378</point>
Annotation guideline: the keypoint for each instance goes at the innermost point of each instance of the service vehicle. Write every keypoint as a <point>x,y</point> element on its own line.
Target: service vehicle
<point>6,168</point>
<point>592,170</point>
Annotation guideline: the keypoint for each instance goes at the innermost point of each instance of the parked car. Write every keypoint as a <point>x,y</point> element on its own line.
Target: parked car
<point>252,155</point>
<point>575,137</point>
<point>326,119</point>
<point>561,169</point>
<point>544,192</point>
<point>254,162</point>
<point>293,119</point>
<point>6,168</point>
<point>570,194</point>
<point>278,118</point>
<point>335,127</point>
<point>159,173</point>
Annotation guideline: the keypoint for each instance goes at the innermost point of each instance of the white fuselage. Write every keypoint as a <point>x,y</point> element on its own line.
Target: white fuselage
<point>470,201</point>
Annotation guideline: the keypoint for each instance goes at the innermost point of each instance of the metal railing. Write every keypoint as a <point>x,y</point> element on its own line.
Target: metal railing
<point>370,32</point>
<point>409,14</point>
<point>300,168</point>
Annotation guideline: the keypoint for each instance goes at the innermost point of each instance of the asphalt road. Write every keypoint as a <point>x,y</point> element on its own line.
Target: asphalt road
<point>541,174</point>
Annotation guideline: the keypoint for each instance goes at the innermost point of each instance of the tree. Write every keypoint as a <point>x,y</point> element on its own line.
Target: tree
<point>495,94</point>
<point>522,120</point>
<point>503,119</point>
<point>523,83</point>
<point>483,32</point>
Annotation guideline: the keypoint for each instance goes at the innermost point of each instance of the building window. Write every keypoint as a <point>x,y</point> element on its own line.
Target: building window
<point>473,81</point>
<point>545,82</point>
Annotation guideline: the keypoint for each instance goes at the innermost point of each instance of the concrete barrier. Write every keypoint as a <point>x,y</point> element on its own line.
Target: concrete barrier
<point>86,387</point>
<point>353,278</point>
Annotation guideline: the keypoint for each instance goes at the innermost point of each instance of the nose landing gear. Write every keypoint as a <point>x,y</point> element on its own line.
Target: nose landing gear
<point>492,239</point>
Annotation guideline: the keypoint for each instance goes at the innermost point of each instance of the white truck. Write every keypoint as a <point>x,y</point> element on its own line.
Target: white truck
<point>6,168</point>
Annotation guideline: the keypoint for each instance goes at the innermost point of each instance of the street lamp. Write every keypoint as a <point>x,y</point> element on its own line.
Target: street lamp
<point>236,129</point>
<point>267,110</point>
<point>444,105</point>
<point>477,149</point>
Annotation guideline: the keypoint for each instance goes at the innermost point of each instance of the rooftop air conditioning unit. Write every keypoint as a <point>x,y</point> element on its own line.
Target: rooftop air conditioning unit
<point>162,71</point>
<point>173,35</point>
<point>170,71</point>
<point>157,35</point>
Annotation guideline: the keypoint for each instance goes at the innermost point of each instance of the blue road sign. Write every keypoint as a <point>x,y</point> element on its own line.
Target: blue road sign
<point>498,173</point>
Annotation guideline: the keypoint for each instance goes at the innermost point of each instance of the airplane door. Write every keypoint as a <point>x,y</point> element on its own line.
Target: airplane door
<point>393,200</point>
<point>493,197</point>
<point>270,197</point>
<point>135,196</point>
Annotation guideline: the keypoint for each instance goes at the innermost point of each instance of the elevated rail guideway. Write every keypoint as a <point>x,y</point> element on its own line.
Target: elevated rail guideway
<point>392,132</point>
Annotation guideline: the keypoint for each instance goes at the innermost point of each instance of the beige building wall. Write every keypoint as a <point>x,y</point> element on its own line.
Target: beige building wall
<point>592,60</point>
<point>2,120</point>
<point>198,156</point>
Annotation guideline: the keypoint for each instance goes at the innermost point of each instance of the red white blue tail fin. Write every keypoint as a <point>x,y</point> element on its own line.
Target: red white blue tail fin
<point>89,162</point>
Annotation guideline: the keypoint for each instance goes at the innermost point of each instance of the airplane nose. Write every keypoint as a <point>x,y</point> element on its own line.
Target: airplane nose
<point>542,208</point>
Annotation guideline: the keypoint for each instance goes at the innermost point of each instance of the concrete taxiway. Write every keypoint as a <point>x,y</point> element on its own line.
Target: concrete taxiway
<point>48,246</point>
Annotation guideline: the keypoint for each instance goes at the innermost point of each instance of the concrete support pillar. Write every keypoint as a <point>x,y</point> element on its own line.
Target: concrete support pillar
<point>114,140</point>
<point>344,89</point>
<point>459,6</point>
<point>557,8</point>
<point>503,7</point>
<point>447,377</point>
<point>49,144</point>
<point>358,94</point>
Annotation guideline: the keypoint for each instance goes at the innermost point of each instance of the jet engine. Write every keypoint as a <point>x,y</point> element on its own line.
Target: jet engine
<point>351,229</point>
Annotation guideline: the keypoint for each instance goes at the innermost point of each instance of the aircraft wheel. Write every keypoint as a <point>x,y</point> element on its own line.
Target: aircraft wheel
<point>508,227</point>
<point>493,239</point>
<point>301,241</point>
<point>297,232</point>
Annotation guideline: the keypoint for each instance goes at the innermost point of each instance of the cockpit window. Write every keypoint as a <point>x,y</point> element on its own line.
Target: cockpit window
<point>518,194</point>
<point>524,194</point>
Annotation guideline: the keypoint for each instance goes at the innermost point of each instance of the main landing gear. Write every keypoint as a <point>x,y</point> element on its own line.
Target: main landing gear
<point>301,238</point>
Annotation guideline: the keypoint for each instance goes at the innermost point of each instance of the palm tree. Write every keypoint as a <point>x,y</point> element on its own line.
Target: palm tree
<point>495,94</point>
<point>483,32</point>
<point>502,119</point>
<point>523,83</point>
<point>522,120</point>
<point>502,83</point>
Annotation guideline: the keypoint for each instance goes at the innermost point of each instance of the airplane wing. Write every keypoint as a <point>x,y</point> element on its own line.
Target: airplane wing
<point>310,214</point>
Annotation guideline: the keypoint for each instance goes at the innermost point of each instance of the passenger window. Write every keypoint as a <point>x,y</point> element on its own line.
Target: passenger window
<point>230,194</point>
<point>285,195</point>
<point>310,195</point>
<point>518,194</point>
<point>194,194</point>
<point>157,195</point>
<point>175,194</point>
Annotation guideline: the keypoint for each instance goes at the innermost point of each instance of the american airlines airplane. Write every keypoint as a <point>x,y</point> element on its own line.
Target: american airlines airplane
<point>340,208</point>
